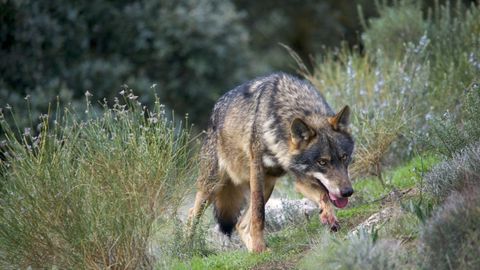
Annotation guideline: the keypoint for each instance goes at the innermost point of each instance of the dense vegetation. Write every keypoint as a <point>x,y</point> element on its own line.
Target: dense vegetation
<point>87,185</point>
<point>193,51</point>
<point>88,193</point>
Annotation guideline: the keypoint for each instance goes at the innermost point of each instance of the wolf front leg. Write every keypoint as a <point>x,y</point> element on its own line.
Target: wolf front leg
<point>257,200</point>
<point>244,225</point>
<point>319,195</point>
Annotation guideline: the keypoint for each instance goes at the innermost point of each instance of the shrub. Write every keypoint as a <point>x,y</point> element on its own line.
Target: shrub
<point>381,93</point>
<point>455,131</point>
<point>450,239</point>
<point>394,29</point>
<point>395,86</point>
<point>89,193</point>
<point>361,251</point>
<point>454,52</point>
<point>455,174</point>
<point>193,50</point>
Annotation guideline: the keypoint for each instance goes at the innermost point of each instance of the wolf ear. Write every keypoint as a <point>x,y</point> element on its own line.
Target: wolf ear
<point>341,119</point>
<point>300,131</point>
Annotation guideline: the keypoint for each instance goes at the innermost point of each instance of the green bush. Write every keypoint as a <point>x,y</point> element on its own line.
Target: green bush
<point>452,32</point>
<point>192,50</point>
<point>455,174</point>
<point>406,76</point>
<point>91,193</point>
<point>307,26</point>
<point>383,95</point>
<point>454,131</point>
<point>450,239</point>
<point>361,251</point>
<point>454,53</point>
<point>395,28</point>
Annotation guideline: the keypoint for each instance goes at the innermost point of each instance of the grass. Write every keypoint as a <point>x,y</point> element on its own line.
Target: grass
<point>403,177</point>
<point>385,245</point>
<point>285,245</point>
<point>227,260</point>
<point>99,189</point>
<point>398,82</point>
<point>450,238</point>
<point>455,174</point>
<point>361,251</point>
<point>86,193</point>
<point>291,244</point>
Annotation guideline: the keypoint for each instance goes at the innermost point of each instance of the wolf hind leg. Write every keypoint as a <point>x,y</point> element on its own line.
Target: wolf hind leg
<point>227,202</point>
<point>202,201</point>
<point>319,195</point>
<point>207,180</point>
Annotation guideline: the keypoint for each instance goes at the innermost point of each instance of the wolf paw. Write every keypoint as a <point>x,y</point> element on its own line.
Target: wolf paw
<point>259,247</point>
<point>330,220</point>
<point>335,227</point>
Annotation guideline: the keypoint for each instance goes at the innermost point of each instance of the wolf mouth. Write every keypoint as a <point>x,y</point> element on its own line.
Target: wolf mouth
<point>339,202</point>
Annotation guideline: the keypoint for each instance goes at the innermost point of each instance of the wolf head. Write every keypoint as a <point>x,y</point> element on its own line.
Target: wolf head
<point>321,152</point>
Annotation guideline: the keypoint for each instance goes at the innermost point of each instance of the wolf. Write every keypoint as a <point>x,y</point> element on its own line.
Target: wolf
<point>261,130</point>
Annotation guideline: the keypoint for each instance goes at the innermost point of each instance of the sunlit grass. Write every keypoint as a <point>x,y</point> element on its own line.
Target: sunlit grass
<point>85,190</point>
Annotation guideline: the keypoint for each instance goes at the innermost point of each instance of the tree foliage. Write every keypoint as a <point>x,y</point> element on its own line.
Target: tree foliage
<point>192,50</point>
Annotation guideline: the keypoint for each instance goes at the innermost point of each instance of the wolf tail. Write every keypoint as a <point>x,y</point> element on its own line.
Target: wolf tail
<point>228,203</point>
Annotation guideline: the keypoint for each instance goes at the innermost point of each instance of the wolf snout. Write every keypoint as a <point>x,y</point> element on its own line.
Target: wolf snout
<point>346,192</point>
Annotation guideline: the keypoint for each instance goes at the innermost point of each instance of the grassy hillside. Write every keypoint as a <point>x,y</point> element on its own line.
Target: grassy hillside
<point>87,193</point>
<point>89,188</point>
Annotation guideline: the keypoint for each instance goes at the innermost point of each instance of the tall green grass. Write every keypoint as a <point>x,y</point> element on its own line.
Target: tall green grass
<point>77,194</point>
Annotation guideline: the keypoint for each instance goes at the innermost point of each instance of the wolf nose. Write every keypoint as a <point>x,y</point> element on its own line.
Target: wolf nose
<point>346,192</point>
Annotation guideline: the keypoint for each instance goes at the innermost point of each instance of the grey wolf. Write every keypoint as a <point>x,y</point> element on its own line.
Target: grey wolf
<point>260,131</point>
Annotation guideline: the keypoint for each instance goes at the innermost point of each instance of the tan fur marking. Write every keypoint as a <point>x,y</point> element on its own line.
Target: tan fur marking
<point>341,116</point>
<point>202,200</point>
<point>245,223</point>
<point>229,199</point>
<point>257,202</point>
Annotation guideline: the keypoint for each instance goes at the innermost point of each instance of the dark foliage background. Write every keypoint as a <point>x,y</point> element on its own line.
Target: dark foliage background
<point>191,51</point>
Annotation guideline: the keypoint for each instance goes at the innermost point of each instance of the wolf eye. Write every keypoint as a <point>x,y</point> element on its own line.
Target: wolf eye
<point>322,162</point>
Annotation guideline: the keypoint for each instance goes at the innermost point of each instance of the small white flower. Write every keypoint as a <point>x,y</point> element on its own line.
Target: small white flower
<point>88,94</point>
<point>27,131</point>
<point>153,120</point>
<point>131,96</point>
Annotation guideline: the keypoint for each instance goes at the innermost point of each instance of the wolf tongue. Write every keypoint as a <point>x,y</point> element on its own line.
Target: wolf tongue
<point>338,202</point>
<point>341,202</point>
